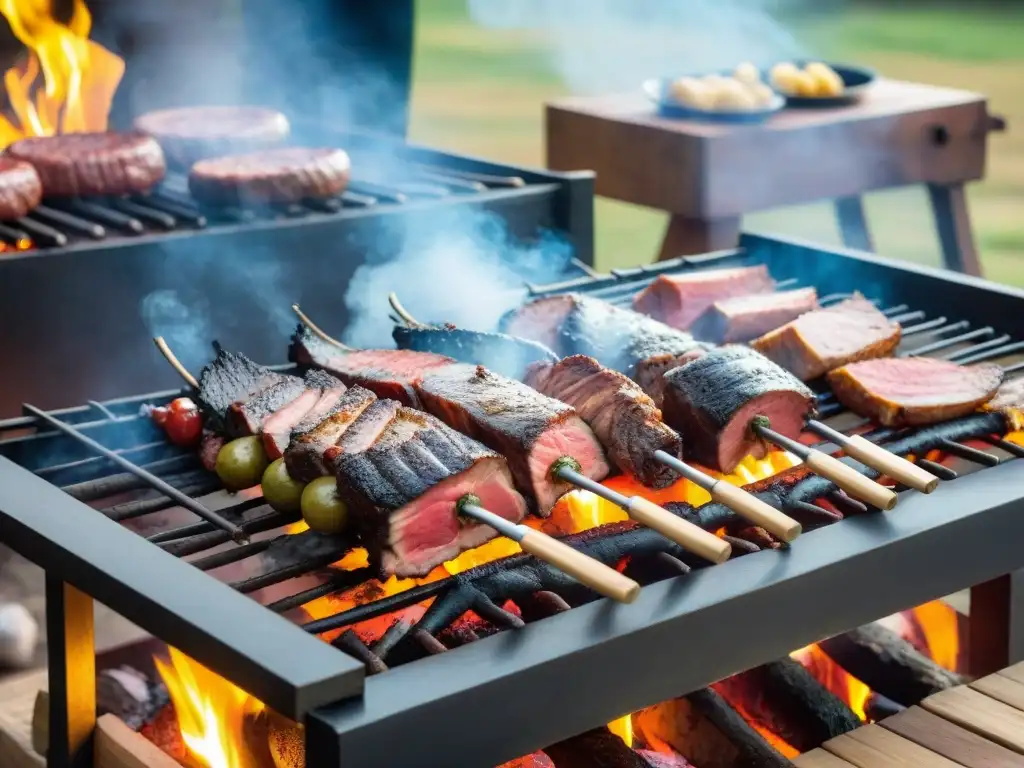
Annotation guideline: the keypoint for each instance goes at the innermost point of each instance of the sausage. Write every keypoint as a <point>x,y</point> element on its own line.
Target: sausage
<point>20,188</point>
<point>285,175</point>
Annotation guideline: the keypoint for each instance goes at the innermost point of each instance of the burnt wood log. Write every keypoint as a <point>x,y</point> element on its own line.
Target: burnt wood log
<point>879,707</point>
<point>663,760</point>
<point>889,665</point>
<point>786,699</point>
<point>129,694</point>
<point>599,748</point>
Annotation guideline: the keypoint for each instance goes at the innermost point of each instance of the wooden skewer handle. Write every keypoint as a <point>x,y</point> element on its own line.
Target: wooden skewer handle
<point>851,481</point>
<point>755,511</point>
<point>584,569</point>
<point>896,467</point>
<point>690,537</point>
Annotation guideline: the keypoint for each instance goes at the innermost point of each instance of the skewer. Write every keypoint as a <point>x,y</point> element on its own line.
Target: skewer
<point>175,362</point>
<point>876,457</point>
<point>744,504</point>
<point>165,488</point>
<point>584,569</point>
<point>844,476</point>
<point>319,331</point>
<point>690,537</point>
<point>401,311</point>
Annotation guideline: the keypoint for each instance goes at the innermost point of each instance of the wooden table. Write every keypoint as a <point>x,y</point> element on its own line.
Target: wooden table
<point>708,175</point>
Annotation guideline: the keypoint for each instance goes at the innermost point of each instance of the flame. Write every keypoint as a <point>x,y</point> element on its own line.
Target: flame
<point>623,728</point>
<point>940,626</point>
<point>837,680</point>
<point>66,83</point>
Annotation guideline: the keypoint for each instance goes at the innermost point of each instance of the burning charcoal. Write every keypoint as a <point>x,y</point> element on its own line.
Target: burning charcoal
<point>599,748</point>
<point>662,760</point>
<point>878,707</point>
<point>19,636</point>
<point>287,741</point>
<point>536,760</point>
<point>129,694</point>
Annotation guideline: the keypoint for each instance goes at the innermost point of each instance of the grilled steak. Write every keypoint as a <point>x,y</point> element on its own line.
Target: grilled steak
<point>624,419</point>
<point>578,325</point>
<point>402,493</point>
<point>230,378</point>
<point>83,164</point>
<point>678,300</point>
<point>246,417</point>
<point>189,134</point>
<point>650,373</point>
<point>388,373</point>
<point>20,188</point>
<point>911,391</point>
<point>322,392</point>
<point>746,317</point>
<point>528,428</point>
<point>365,430</point>
<point>305,456</point>
<point>271,176</point>
<point>820,341</point>
<point>498,352</point>
<point>712,400</point>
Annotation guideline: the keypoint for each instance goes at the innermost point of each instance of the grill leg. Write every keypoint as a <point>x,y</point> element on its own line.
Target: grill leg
<point>953,223</point>
<point>853,223</point>
<point>996,627</point>
<point>71,654</point>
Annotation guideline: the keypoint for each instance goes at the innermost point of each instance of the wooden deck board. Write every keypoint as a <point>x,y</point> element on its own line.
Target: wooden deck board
<point>977,712</point>
<point>874,747</point>
<point>950,740</point>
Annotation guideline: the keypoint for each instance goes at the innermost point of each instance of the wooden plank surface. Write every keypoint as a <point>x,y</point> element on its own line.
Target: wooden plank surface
<point>874,747</point>
<point>118,746</point>
<point>1016,672</point>
<point>17,703</point>
<point>820,758</point>
<point>977,712</point>
<point>1000,688</point>
<point>951,741</point>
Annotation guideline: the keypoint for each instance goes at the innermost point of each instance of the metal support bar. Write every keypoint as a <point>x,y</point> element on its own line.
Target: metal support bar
<point>71,655</point>
<point>996,627</point>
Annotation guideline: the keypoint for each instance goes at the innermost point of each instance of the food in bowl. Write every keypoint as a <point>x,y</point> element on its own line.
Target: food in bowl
<point>743,91</point>
<point>814,80</point>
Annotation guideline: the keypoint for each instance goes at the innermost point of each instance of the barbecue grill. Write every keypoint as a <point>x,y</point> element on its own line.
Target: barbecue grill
<point>461,696</point>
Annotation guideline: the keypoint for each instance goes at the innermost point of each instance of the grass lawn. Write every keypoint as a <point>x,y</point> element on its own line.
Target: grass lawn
<point>481,91</point>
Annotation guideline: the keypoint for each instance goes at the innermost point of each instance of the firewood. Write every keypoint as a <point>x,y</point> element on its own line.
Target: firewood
<point>599,748</point>
<point>118,746</point>
<point>662,760</point>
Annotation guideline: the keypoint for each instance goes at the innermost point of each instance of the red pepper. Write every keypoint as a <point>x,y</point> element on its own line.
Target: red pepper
<point>183,423</point>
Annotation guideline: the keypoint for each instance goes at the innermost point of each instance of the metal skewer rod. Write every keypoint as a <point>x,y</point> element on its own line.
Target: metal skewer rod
<point>403,313</point>
<point>165,488</point>
<point>586,570</point>
<point>744,504</point>
<point>175,362</point>
<point>319,331</point>
<point>876,457</point>
<point>690,537</point>
<point>843,475</point>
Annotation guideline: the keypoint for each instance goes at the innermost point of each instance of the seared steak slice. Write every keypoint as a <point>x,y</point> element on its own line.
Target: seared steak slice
<point>679,299</point>
<point>498,352</point>
<point>650,373</point>
<point>230,378</point>
<point>712,400</point>
<point>530,429</point>
<point>820,341</point>
<point>625,420</point>
<point>246,417</point>
<point>746,317</point>
<point>402,493</point>
<point>321,391</point>
<point>304,457</point>
<point>912,391</point>
<point>20,188</point>
<point>389,373</point>
<point>365,430</point>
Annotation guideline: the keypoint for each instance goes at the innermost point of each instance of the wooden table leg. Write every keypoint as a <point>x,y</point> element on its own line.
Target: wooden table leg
<point>953,222</point>
<point>996,625</point>
<point>853,223</point>
<point>689,237</point>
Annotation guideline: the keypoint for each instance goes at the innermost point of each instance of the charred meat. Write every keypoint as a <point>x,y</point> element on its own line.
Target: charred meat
<point>306,457</point>
<point>246,417</point>
<point>677,300</point>
<point>825,339</point>
<point>320,393</point>
<point>532,430</point>
<point>743,318</point>
<point>403,491</point>
<point>650,373</point>
<point>912,391</point>
<point>713,399</point>
<point>622,416</point>
<point>231,378</point>
<point>20,188</point>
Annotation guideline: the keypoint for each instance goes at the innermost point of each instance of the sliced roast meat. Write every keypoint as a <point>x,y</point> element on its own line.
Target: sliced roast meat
<point>746,317</point>
<point>389,373</point>
<point>188,134</point>
<point>650,373</point>
<point>911,391</point>
<point>271,176</point>
<point>365,430</point>
<point>209,447</point>
<point>84,164</point>
<point>823,340</point>
<point>20,188</point>
<point>677,300</point>
<point>402,493</point>
<point>530,429</point>
<point>498,352</point>
<point>713,399</point>
<point>305,456</point>
<point>321,391</point>
<point>623,417</point>
<point>230,378</point>
<point>246,417</point>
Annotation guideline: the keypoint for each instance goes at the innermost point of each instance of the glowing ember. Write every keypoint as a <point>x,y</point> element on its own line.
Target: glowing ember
<point>623,728</point>
<point>932,628</point>
<point>65,83</point>
<point>838,681</point>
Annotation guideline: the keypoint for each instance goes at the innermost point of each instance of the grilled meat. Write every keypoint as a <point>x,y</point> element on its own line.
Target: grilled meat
<point>912,391</point>
<point>402,493</point>
<point>825,339</point>
<point>365,431</point>
<point>389,373</point>
<point>305,457</point>
<point>615,407</point>
<point>617,338</point>
<point>209,447</point>
<point>713,399</point>
<point>650,373</point>
<point>322,391</point>
<point>230,378</point>
<point>528,428</point>
<point>246,417</point>
<point>746,317</point>
<point>498,352</point>
<point>677,300</point>
<point>270,176</point>
<point>20,188</point>
<point>84,164</point>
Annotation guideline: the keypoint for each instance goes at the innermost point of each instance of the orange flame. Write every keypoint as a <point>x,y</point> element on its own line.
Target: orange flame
<point>66,83</point>
<point>836,679</point>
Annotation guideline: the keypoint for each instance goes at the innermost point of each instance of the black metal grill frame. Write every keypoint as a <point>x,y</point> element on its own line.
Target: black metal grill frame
<point>588,665</point>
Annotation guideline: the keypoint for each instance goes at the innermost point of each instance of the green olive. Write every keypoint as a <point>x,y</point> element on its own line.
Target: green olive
<point>241,463</point>
<point>322,509</point>
<point>279,490</point>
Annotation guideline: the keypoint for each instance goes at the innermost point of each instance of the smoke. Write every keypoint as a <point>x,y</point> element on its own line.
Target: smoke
<point>607,45</point>
<point>185,327</point>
